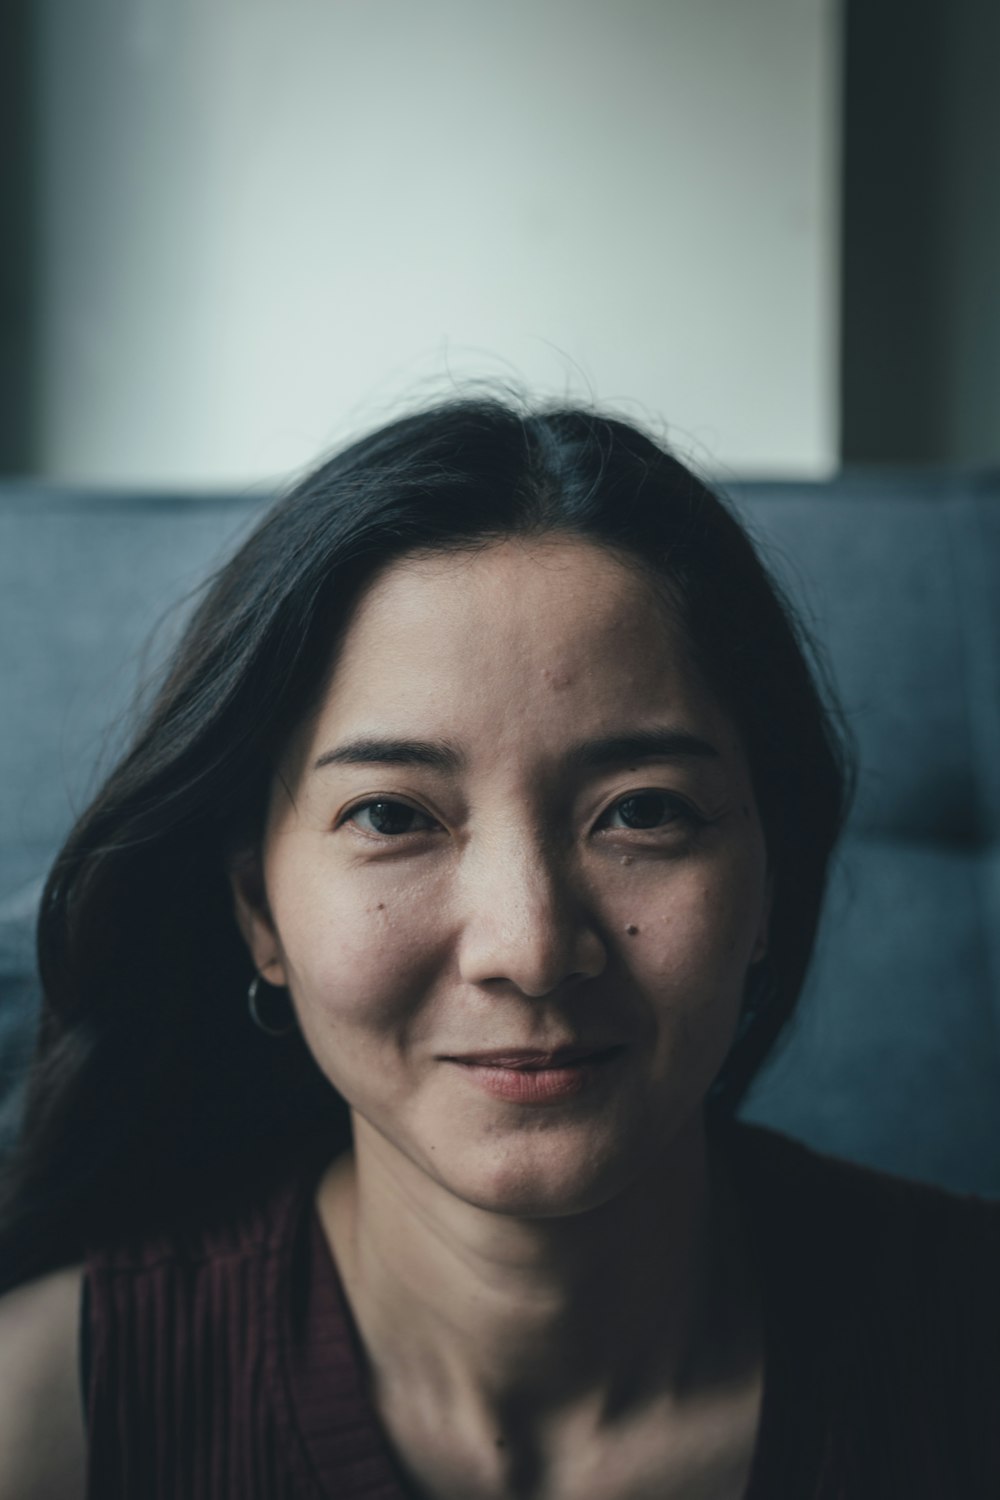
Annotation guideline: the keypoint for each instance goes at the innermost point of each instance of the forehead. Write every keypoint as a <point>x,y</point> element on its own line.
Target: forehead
<point>538,637</point>
<point>521,589</point>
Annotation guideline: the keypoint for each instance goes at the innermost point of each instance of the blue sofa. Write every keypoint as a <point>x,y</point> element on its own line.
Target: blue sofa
<point>894,1058</point>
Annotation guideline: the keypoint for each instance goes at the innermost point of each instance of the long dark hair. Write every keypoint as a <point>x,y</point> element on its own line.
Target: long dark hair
<point>151,1091</point>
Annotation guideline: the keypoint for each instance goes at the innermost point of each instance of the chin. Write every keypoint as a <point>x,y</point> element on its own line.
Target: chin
<point>542,1183</point>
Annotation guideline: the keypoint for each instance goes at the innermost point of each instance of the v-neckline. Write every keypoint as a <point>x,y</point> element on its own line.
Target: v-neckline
<point>342,1437</point>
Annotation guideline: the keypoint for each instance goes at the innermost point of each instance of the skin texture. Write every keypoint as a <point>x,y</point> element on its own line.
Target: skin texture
<point>42,1440</point>
<point>564,1275</point>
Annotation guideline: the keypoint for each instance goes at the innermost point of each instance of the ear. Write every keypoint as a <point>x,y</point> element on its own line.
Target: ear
<point>253,916</point>
<point>762,940</point>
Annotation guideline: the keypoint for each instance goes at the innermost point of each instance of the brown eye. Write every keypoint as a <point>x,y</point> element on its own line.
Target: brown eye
<point>388,818</point>
<point>648,810</point>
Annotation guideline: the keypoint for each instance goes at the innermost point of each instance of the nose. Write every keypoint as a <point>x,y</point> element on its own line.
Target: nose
<point>524,923</point>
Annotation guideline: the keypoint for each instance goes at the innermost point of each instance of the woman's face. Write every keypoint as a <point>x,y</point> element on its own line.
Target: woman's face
<point>513,876</point>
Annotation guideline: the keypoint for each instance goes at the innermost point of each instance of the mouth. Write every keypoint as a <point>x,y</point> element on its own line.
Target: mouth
<point>530,1060</point>
<point>529,1076</point>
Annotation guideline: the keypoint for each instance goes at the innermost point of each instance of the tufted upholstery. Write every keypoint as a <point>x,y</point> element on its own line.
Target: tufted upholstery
<point>895,1056</point>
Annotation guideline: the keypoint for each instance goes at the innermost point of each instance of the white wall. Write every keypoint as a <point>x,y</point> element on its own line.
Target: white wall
<point>269,221</point>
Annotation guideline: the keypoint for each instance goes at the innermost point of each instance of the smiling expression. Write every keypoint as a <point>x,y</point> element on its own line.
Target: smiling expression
<point>513,875</point>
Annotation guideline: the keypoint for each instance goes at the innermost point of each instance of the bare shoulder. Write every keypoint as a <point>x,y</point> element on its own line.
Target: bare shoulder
<point>42,1439</point>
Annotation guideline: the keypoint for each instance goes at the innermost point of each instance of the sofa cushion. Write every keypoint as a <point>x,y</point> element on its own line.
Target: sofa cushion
<point>894,1056</point>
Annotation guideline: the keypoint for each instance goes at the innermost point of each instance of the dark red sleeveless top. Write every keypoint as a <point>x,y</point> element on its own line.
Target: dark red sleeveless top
<point>225,1365</point>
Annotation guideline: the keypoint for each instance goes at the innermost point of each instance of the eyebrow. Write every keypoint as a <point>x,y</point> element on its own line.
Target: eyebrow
<point>589,755</point>
<point>642,744</point>
<point>372,751</point>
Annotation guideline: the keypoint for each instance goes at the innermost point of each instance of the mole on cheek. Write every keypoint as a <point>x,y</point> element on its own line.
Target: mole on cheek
<point>631,929</point>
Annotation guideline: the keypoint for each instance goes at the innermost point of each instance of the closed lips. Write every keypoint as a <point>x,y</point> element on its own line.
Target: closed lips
<point>564,1057</point>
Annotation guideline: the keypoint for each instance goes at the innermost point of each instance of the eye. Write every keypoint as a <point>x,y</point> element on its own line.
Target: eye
<point>649,810</point>
<point>387,818</point>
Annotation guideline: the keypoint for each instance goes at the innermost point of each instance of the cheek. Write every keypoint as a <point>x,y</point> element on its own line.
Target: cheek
<point>357,952</point>
<point>700,913</point>
<point>688,943</point>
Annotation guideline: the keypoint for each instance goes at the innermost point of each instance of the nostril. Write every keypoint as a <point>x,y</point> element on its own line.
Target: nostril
<point>527,926</point>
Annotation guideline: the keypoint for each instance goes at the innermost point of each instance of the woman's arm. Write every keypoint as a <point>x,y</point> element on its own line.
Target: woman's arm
<point>42,1438</point>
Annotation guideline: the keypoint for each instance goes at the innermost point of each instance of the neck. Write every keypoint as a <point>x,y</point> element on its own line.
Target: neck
<point>604,1309</point>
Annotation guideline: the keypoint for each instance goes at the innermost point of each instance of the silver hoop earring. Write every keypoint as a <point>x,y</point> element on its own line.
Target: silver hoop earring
<point>253,1005</point>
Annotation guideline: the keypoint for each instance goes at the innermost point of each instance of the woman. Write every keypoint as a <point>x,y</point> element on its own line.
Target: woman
<point>401,985</point>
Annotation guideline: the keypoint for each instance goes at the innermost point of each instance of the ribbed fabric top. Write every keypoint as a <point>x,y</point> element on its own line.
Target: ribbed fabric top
<point>226,1364</point>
